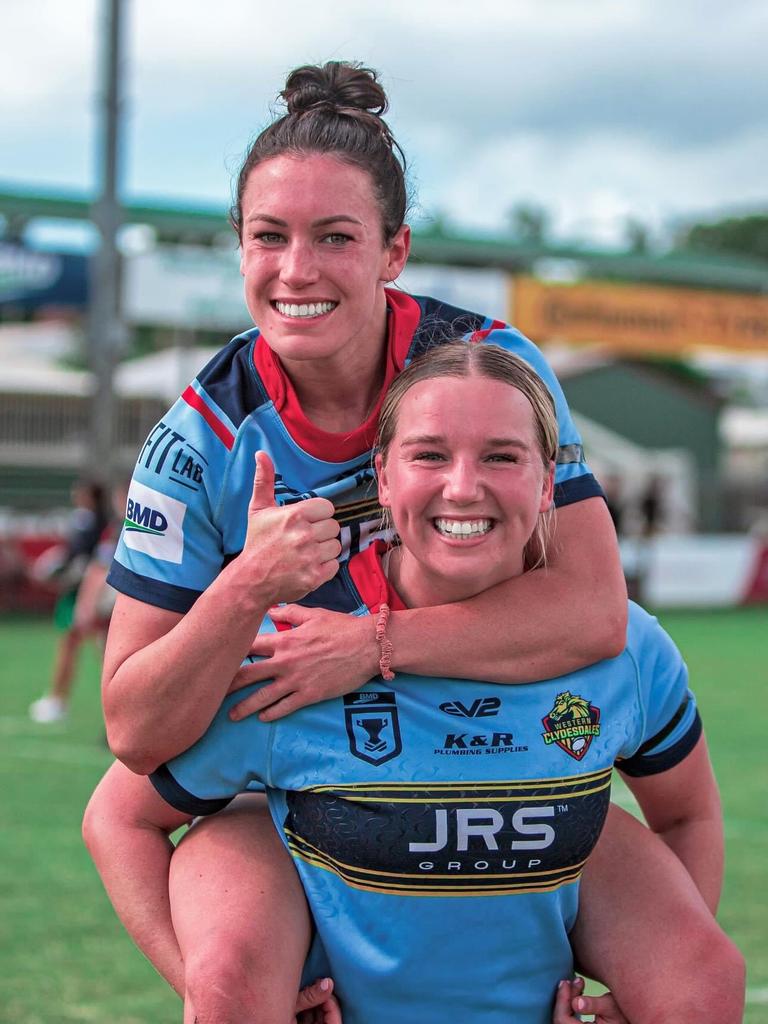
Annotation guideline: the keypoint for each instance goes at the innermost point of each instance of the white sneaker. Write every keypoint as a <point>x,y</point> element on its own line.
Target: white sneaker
<point>47,710</point>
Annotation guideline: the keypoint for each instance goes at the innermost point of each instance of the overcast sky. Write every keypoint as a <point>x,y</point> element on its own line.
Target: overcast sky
<point>598,109</point>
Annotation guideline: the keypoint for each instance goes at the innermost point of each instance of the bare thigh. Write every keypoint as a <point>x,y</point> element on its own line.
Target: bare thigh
<point>239,911</point>
<point>645,931</point>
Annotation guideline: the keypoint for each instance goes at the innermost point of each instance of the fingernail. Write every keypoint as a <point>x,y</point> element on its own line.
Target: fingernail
<point>580,1004</point>
<point>561,983</point>
<point>325,984</point>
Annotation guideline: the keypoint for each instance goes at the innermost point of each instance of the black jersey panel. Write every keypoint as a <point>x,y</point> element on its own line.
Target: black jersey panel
<point>441,323</point>
<point>451,839</point>
<point>337,595</point>
<point>571,491</point>
<point>641,764</point>
<point>174,794</point>
<point>155,592</point>
<point>231,380</point>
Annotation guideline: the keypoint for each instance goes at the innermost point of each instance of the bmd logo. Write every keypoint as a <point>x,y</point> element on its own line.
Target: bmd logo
<point>154,523</point>
<point>144,519</point>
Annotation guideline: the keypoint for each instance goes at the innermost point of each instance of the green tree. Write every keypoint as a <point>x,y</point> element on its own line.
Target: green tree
<point>745,235</point>
<point>530,222</point>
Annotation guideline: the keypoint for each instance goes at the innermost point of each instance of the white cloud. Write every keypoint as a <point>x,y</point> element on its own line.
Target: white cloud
<point>597,109</point>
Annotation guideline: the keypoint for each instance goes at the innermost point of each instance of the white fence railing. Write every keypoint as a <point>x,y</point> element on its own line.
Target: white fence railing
<point>52,430</point>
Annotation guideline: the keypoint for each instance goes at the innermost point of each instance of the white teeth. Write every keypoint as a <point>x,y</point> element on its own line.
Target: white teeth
<point>463,527</point>
<point>310,309</point>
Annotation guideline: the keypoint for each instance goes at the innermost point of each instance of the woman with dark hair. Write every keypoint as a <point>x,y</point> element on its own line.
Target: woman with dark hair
<point>207,551</point>
<point>442,859</point>
<point>319,210</point>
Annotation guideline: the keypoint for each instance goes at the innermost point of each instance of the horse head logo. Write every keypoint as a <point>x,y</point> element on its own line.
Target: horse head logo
<point>572,724</point>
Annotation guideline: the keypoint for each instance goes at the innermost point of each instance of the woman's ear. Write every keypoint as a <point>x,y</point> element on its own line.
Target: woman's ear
<point>548,488</point>
<point>381,476</point>
<point>396,255</point>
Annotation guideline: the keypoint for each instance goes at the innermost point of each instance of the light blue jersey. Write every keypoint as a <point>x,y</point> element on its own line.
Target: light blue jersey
<point>440,826</point>
<point>188,500</point>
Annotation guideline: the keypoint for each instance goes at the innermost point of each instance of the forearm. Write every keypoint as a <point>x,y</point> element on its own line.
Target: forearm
<point>698,843</point>
<point>542,624</point>
<point>507,635</point>
<point>160,699</point>
<point>133,863</point>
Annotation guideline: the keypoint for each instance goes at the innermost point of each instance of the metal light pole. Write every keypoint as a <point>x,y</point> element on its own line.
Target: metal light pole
<point>105,328</point>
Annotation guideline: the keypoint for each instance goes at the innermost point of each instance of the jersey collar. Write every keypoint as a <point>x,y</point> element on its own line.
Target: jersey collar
<point>368,575</point>
<point>403,314</point>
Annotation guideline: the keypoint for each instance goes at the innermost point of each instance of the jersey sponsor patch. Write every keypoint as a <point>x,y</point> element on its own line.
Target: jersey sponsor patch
<point>451,838</point>
<point>373,726</point>
<point>469,744</point>
<point>170,455</point>
<point>481,707</point>
<point>572,724</point>
<point>153,524</point>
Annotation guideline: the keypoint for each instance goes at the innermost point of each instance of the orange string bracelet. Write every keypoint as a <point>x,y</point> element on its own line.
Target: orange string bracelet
<point>385,644</point>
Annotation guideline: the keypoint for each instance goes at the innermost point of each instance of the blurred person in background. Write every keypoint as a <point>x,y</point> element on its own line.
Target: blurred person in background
<point>65,567</point>
<point>12,572</point>
<point>95,597</point>
<point>651,507</point>
<point>614,499</point>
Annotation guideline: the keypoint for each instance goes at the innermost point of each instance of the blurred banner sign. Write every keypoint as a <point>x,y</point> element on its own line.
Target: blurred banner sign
<point>31,280</point>
<point>639,319</point>
<point>465,287</point>
<point>185,286</point>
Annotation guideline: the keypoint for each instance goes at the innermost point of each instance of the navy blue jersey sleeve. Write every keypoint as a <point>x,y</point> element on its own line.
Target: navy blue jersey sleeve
<point>228,759</point>
<point>573,478</point>
<point>668,722</point>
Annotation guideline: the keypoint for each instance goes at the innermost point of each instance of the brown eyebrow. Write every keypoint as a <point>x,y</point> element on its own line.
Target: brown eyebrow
<point>493,442</point>
<point>340,218</point>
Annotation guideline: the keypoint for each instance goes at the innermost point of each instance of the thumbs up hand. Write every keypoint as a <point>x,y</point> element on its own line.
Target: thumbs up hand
<point>263,485</point>
<point>293,549</point>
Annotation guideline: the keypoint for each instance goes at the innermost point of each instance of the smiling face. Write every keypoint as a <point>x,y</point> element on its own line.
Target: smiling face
<point>465,483</point>
<point>314,260</point>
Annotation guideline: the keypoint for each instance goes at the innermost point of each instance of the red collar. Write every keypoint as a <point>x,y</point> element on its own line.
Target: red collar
<point>367,574</point>
<point>404,313</point>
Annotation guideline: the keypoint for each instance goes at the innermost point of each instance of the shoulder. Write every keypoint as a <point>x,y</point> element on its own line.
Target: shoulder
<point>207,416</point>
<point>644,629</point>
<point>440,322</point>
<point>651,647</point>
<point>229,382</point>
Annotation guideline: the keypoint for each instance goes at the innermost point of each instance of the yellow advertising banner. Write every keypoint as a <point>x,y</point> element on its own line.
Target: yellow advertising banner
<point>639,319</point>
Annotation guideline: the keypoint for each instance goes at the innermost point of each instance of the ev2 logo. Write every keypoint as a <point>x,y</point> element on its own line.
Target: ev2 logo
<point>482,707</point>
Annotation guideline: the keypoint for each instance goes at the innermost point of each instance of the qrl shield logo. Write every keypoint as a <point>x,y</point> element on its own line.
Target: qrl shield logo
<point>572,724</point>
<point>373,727</point>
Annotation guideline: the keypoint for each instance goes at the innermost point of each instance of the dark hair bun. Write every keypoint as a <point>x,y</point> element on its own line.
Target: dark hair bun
<point>335,86</point>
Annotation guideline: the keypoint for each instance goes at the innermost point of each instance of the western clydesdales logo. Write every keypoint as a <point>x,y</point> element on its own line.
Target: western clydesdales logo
<point>372,726</point>
<point>572,724</point>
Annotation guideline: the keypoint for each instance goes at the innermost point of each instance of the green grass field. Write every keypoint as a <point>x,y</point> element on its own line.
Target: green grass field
<point>64,957</point>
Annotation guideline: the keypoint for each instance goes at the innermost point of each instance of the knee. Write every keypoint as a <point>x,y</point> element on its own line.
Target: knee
<point>219,976</point>
<point>721,978</point>
<point>711,979</point>
<point>92,825</point>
